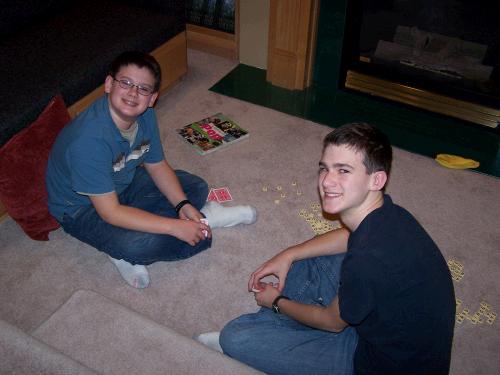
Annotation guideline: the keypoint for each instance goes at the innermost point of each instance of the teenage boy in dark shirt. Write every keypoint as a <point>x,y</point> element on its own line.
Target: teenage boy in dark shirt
<point>381,281</point>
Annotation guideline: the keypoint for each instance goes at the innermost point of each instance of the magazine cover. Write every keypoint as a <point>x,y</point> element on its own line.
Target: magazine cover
<point>212,133</point>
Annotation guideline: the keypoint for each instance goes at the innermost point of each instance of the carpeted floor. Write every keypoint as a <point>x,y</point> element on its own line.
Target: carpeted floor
<point>458,208</point>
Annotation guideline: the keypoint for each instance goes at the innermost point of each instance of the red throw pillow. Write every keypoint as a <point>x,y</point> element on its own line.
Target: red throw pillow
<point>23,161</point>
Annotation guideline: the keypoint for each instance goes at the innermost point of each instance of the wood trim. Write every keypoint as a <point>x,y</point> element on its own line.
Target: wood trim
<point>172,57</point>
<point>311,43</point>
<point>292,39</point>
<point>212,41</point>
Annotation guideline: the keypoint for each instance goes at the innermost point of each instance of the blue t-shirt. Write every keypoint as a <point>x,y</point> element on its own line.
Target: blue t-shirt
<point>91,157</point>
<point>396,290</point>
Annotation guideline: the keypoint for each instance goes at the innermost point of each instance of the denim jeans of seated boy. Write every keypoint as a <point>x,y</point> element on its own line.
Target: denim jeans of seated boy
<point>140,247</point>
<point>276,344</point>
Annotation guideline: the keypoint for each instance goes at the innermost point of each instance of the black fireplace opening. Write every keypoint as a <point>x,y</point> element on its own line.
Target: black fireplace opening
<point>448,47</point>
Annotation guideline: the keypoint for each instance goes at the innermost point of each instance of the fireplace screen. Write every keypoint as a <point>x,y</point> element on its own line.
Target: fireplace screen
<point>443,55</point>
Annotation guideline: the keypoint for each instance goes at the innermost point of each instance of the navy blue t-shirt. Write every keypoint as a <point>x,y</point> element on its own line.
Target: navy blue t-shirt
<point>396,290</point>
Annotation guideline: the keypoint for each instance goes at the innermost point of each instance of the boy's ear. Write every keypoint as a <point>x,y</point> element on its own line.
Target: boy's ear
<point>152,99</point>
<point>379,180</point>
<point>108,82</point>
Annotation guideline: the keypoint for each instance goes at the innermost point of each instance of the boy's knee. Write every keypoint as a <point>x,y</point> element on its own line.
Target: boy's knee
<point>232,339</point>
<point>188,179</point>
<point>139,247</point>
<point>157,247</point>
<point>195,188</point>
<point>226,338</point>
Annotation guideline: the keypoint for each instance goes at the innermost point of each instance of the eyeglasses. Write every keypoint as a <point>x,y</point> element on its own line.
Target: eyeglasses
<point>127,85</point>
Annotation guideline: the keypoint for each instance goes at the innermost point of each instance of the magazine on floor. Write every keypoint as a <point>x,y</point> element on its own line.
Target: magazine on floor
<point>212,133</point>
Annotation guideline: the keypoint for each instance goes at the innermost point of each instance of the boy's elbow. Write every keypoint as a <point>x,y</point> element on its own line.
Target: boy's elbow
<point>335,328</point>
<point>335,325</point>
<point>109,216</point>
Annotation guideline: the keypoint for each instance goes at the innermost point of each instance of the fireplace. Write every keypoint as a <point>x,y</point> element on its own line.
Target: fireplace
<point>442,56</point>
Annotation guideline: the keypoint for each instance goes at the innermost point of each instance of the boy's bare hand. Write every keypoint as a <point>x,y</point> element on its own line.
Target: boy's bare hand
<point>191,231</point>
<point>277,266</point>
<point>190,212</point>
<point>267,295</point>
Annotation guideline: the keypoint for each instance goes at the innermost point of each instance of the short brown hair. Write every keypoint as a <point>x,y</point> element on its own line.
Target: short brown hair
<point>139,59</point>
<point>367,139</point>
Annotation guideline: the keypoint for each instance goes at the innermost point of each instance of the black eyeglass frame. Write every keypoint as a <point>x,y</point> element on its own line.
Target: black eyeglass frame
<point>127,85</point>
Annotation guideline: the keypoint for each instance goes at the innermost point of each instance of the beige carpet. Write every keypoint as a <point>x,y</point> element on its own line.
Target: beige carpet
<point>460,209</point>
<point>140,346</point>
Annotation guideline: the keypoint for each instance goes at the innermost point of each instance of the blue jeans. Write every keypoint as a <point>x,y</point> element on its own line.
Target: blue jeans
<point>133,246</point>
<point>276,344</point>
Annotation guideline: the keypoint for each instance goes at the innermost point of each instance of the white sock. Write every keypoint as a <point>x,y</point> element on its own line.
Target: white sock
<point>135,275</point>
<point>210,339</point>
<point>219,216</point>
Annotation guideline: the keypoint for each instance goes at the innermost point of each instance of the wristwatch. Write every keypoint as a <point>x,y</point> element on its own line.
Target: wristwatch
<point>275,306</point>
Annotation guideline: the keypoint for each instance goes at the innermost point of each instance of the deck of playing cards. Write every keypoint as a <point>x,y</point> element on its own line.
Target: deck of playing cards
<point>219,195</point>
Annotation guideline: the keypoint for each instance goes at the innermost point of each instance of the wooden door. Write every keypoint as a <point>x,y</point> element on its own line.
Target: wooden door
<point>292,37</point>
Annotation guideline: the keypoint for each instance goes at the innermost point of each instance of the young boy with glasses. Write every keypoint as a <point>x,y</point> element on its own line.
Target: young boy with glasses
<point>110,186</point>
<point>373,298</point>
